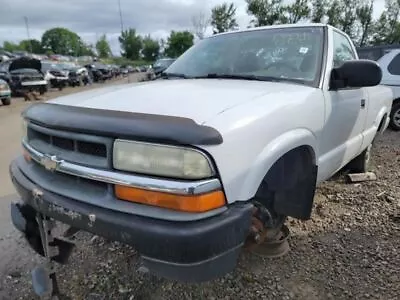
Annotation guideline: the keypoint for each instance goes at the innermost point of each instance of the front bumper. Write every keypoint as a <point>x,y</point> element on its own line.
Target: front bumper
<point>186,251</point>
<point>34,83</point>
<point>5,94</point>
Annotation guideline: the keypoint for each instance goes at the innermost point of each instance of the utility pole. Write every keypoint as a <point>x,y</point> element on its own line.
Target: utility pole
<point>27,32</point>
<point>120,16</point>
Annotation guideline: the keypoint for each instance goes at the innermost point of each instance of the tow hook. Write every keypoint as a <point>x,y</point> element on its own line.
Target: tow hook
<point>266,238</point>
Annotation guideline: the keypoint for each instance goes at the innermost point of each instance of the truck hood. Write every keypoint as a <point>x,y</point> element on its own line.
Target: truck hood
<point>197,99</point>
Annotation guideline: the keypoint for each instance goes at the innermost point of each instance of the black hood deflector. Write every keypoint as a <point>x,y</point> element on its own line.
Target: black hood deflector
<point>124,125</point>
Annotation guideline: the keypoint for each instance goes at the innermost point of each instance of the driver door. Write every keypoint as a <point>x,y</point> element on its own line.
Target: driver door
<point>345,115</point>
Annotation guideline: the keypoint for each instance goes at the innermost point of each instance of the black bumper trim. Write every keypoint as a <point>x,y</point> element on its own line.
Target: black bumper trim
<point>126,125</point>
<point>187,251</point>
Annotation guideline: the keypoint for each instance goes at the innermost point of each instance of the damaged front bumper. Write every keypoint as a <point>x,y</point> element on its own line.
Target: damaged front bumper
<point>190,251</point>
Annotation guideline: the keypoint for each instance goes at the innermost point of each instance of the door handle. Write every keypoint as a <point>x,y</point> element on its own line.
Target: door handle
<point>362,103</point>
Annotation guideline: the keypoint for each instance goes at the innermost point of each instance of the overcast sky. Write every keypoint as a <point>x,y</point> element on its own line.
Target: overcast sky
<point>91,18</point>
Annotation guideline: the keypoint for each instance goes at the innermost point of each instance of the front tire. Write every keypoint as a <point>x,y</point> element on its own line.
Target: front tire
<point>6,101</point>
<point>361,163</point>
<point>395,117</point>
<point>43,90</point>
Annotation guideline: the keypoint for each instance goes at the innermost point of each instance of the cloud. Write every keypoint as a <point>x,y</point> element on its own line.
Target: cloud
<point>91,18</point>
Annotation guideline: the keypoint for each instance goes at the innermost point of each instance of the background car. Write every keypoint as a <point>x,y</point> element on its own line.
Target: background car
<point>26,75</point>
<point>54,75</point>
<point>161,65</point>
<point>78,76</point>
<point>390,64</point>
<point>5,93</point>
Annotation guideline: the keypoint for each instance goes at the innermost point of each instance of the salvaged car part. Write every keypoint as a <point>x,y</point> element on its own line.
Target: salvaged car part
<point>274,248</point>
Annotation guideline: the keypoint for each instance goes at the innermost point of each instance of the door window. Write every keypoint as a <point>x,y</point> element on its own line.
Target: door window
<point>342,49</point>
<point>394,66</point>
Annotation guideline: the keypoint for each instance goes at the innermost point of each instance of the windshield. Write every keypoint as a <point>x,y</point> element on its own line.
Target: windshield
<point>287,54</point>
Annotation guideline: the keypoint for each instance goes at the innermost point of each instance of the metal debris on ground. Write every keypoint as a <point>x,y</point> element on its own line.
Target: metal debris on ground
<point>361,177</point>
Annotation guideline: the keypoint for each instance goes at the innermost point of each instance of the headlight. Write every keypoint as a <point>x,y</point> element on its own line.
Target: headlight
<point>161,160</point>
<point>3,87</point>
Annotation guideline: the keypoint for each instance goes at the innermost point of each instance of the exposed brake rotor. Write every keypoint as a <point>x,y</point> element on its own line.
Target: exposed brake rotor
<point>266,240</point>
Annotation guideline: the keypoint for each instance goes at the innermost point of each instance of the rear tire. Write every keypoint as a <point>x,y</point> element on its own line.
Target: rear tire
<point>6,101</point>
<point>395,116</point>
<point>361,163</point>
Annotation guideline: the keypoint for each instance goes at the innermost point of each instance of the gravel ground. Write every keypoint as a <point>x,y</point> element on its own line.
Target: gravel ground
<point>349,250</point>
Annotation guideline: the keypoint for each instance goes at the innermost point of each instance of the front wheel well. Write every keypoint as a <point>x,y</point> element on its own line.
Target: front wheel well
<point>382,123</point>
<point>288,187</point>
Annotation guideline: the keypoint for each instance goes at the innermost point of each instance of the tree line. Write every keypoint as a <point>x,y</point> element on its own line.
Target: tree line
<point>134,46</point>
<point>355,17</point>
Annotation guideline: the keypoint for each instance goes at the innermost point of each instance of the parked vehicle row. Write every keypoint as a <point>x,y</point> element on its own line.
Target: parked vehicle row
<point>27,74</point>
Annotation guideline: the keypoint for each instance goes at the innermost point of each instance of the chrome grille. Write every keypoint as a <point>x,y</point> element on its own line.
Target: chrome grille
<point>75,147</point>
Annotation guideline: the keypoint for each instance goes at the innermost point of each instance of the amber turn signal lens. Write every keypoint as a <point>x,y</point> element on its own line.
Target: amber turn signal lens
<point>192,204</point>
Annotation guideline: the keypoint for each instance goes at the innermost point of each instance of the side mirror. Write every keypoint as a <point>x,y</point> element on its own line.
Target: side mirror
<point>356,73</point>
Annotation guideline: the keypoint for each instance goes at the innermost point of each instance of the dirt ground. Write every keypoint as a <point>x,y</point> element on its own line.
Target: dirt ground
<point>349,250</point>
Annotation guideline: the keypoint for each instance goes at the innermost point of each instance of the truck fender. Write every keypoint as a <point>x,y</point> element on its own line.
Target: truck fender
<point>271,153</point>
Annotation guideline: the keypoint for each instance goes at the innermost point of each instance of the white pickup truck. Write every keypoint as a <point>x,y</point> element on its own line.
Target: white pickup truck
<point>243,122</point>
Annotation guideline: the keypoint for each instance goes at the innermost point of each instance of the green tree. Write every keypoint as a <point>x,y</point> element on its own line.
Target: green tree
<point>63,41</point>
<point>392,9</point>
<point>32,45</point>
<point>178,42</point>
<point>223,18</point>
<point>295,12</point>
<point>151,49</point>
<point>86,49</point>
<point>387,28</point>
<point>318,11</point>
<point>10,46</point>
<point>265,12</point>
<point>364,16</point>
<point>348,16</point>
<point>333,13</point>
<point>131,44</point>
<point>381,29</point>
<point>103,47</point>
<point>200,24</point>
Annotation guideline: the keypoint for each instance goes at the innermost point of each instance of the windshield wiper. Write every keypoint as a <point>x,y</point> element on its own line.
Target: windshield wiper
<point>238,76</point>
<point>230,76</point>
<point>250,77</point>
<point>171,75</point>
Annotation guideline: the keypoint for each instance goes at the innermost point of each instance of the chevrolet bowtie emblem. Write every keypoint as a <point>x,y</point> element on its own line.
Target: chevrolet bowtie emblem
<point>50,162</point>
